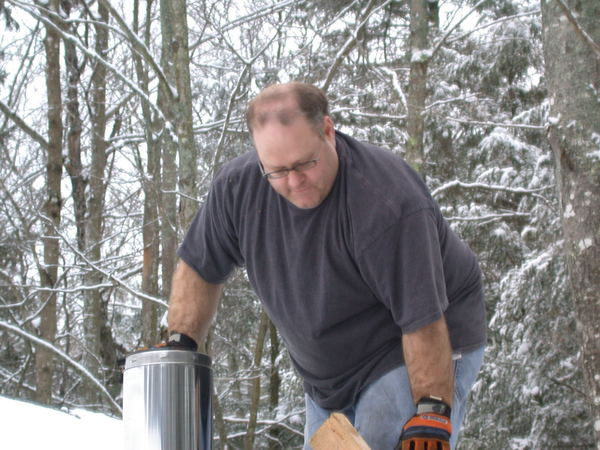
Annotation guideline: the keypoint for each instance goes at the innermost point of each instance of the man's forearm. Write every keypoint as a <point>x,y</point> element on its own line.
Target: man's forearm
<point>428,357</point>
<point>193,303</point>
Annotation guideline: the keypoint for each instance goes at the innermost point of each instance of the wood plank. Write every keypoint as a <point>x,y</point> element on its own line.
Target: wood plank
<point>337,433</point>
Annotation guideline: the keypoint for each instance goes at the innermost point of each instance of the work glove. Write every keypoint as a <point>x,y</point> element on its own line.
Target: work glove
<point>429,429</point>
<point>180,341</point>
<point>176,341</point>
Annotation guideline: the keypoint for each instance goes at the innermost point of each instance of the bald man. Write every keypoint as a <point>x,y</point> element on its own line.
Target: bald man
<point>379,303</point>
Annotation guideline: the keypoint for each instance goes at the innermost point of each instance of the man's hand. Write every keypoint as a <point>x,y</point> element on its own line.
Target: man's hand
<point>176,341</point>
<point>429,429</point>
<point>181,341</point>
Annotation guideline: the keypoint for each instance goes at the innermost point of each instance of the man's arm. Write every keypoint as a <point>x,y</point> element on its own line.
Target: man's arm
<point>193,303</point>
<point>428,358</point>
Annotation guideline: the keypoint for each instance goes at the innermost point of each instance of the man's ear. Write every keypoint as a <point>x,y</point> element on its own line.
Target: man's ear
<point>328,128</point>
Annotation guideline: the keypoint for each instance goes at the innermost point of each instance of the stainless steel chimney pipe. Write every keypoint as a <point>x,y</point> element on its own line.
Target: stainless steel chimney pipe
<point>167,400</point>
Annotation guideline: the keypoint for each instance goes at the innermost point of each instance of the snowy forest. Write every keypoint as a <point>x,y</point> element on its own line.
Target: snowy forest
<point>115,115</point>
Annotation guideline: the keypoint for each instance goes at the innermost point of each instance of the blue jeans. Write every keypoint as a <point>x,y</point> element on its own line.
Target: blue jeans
<point>385,405</point>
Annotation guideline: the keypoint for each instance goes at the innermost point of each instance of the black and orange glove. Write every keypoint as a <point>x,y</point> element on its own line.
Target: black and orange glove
<point>429,429</point>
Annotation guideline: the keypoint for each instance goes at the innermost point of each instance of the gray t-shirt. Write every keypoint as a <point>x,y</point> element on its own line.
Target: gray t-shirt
<point>344,280</point>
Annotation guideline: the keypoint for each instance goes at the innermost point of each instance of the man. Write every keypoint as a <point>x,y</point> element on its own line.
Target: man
<point>371,291</point>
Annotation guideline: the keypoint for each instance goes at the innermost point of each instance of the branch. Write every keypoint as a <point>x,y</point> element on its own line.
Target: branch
<point>466,98</point>
<point>64,356</point>
<point>488,187</point>
<point>494,22</point>
<point>140,47</point>
<point>449,32</point>
<point>247,18</point>
<point>247,65</point>
<point>109,276</point>
<point>494,124</point>
<point>353,112</point>
<point>397,86</point>
<point>579,29</point>
<point>90,53</point>
<point>21,124</point>
<point>488,217</point>
<point>230,105</point>
<point>349,45</point>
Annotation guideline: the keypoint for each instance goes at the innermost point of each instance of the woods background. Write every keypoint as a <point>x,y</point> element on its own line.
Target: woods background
<point>116,115</point>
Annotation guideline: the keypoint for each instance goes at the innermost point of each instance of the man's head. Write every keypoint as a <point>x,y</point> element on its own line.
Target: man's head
<point>295,137</point>
<point>284,102</point>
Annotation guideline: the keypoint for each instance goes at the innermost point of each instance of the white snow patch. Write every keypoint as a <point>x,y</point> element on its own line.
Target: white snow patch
<point>531,391</point>
<point>499,232</point>
<point>585,243</point>
<point>569,211</point>
<point>421,55</point>
<point>523,349</point>
<point>30,426</point>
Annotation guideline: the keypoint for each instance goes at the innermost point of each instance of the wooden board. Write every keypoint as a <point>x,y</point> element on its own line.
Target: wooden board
<point>337,433</point>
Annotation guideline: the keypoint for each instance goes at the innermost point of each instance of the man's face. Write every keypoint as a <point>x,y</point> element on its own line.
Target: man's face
<point>284,146</point>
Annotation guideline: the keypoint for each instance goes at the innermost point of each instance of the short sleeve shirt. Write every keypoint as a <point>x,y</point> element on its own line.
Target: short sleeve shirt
<point>344,280</point>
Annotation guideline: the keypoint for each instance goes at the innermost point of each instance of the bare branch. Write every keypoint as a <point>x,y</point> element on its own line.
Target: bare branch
<point>245,19</point>
<point>494,124</point>
<point>397,86</point>
<point>456,25</point>
<point>489,217</point>
<point>108,275</point>
<point>488,187</point>
<point>64,356</point>
<point>491,24</point>
<point>140,47</point>
<point>87,51</point>
<point>23,125</point>
<point>351,42</point>
<point>247,65</point>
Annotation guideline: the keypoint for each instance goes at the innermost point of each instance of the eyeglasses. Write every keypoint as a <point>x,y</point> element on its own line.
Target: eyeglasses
<point>282,173</point>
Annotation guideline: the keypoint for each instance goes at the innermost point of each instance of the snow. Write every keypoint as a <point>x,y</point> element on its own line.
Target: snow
<point>421,55</point>
<point>30,426</point>
<point>569,212</point>
<point>585,243</point>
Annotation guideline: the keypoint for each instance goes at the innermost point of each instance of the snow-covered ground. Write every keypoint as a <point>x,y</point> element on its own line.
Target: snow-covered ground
<point>27,426</point>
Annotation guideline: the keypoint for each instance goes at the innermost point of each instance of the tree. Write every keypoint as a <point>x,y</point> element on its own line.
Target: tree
<point>151,186</point>
<point>98,335</point>
<point>420,54</point>
<point>44,362</point>
<point>572,55</point>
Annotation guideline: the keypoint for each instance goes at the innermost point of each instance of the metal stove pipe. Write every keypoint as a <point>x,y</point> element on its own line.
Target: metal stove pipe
<point>167,400</point>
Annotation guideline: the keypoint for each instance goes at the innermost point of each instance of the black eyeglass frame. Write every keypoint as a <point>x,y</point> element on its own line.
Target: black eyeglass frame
<point>282,173</point>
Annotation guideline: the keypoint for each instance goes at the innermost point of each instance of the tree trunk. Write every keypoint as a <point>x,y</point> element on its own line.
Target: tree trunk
<point>150,183</point>
<point>176,103</point>
<point>417,87</point>
<point>274,384</point>
<point>166,102</point>
<point>219,422</point>
<point>571,36</point>
<point>98,336</point>
<point>52,210</point>
<point>73,164</point>
<point>255,389</point>
<point>188,154</point>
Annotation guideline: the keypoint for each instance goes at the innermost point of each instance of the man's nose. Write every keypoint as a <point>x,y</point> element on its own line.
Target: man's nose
<point>295,178</point>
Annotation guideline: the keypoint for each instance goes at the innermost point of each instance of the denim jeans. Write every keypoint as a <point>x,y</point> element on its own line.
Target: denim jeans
<point>385,405</point>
